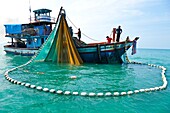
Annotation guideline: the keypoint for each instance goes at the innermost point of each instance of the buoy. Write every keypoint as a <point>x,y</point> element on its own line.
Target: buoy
<point>130,92</point>
<point>83,94</point>
<point>15,81</point>
<point>100,94</point>
<point>52,91</point>
<point>73,77</point>
<point>32,86</point>
<point>108,94</point>
<point>136,91</point>
<point>164,80</point>
<point>9,79</point>
<point>59,92</point>
<point>152,89</point>
<point>12,80</point>
<point>6,73</point>
<point>123,93</point>
<point>147,90</point>
<point>160,67</point>
<point>163,71</point>
<point>46,89</point>
<point>18,82</point>
<point>165,84</point>
<point>67,92</point>
<point>142,90</point>
<point>27,85</point>
<point>153,65</point>
<point>22,84</point>
<point>116,93</point>
<point>75,93</point>
<point>163,77</point>
<point>39,88</point>
<point>156,88</point>
<point>92,94</point>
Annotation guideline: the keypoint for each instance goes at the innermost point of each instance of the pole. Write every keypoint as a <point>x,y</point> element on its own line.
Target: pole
<point>114,33</point>
<point>30,10</point>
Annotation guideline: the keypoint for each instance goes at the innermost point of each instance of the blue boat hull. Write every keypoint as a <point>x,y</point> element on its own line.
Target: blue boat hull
<point>97,53</point>
<point>105,53</point>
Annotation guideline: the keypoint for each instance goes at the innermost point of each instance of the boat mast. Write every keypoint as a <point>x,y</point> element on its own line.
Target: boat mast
<point>30,10</point>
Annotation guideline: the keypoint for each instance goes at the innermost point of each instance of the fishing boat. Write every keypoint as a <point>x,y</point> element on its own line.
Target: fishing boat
<point>30,37</point>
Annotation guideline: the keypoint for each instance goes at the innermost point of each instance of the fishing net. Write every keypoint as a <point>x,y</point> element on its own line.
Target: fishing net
<point>59,47</point>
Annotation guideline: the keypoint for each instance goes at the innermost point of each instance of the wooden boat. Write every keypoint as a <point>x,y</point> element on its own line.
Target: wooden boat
<point>107,53</point>
<point>29,40</point>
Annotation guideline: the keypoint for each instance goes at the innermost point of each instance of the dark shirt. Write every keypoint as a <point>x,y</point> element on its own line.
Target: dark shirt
<point>119,31</point>
<point>79,34</point>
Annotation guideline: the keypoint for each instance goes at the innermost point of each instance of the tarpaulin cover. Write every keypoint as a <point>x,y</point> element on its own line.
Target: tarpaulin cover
<point>59,46</point>
<point>13,28</point>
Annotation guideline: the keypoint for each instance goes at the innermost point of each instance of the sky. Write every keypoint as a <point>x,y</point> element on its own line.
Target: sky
<point>147,19</point>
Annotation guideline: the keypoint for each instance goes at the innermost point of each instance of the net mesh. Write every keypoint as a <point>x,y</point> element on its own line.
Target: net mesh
<point>59,46</point>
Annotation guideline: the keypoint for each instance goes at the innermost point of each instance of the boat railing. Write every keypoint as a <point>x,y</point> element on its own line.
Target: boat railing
<point>42,18</point>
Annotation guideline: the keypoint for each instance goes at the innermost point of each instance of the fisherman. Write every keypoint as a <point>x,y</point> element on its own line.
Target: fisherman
<point>79,33</point>
<point>118,31</point>
<point>108,39</point>
<point>71,31</point>
<point>127,39</point>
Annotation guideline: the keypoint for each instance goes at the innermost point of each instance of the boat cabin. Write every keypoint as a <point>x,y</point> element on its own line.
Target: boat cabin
<point>33,34</point>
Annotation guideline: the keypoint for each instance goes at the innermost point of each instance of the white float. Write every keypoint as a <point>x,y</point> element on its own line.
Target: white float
<point>75,93</point>
<point>52,91</point>
<point>147,90</point>
<point>108,94</point>
<point>123,93</point>
<point>15,81</point>
<point>67,92</point>
<point>73,77</point>
<point>32,86</point>
<point>39,88</point>
<point>100,94</point>
<point>22,84</point>
<point>116,93</point>
<point>18,82</point>
<point>83,94</point>
<point>130,92</point>
<point>136,91</point>
<point>59,92</point>
<point>142,90</point>
<point>27,85</point>
<point>152,89</point>
<point>46,89</point>
<point>92,94</point>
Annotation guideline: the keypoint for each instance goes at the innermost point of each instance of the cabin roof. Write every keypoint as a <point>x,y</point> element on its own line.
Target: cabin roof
<point>42,11</point>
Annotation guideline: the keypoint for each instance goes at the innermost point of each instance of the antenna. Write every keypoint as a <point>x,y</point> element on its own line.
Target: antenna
<point>30,10</point>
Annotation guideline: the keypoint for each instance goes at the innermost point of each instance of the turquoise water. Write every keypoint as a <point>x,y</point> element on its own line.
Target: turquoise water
<point>90,78</point>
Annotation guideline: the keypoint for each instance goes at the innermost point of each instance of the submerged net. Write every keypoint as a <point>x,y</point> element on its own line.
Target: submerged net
<point>59,46</point>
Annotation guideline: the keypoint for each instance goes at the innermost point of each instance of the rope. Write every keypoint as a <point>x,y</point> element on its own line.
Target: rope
<point>89,37</point>
<point>72,23</point>
<point>82,33</point>
<point>90,94</point>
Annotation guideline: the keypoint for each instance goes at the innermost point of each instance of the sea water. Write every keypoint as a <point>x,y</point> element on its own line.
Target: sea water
<point>90,78</point>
